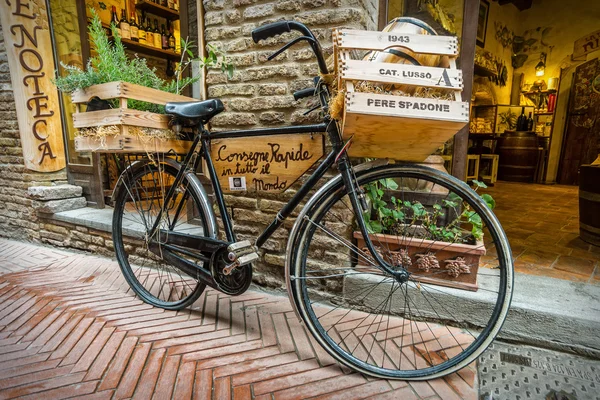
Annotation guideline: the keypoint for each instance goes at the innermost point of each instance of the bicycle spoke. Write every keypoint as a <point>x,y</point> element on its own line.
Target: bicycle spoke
<point>395,322</point>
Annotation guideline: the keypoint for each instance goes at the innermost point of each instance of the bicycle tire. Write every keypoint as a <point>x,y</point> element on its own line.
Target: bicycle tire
<point>151,278</point>
<point>320,295</point>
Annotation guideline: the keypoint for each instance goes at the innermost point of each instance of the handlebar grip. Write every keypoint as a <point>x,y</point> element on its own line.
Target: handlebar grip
<point>269,30</point>
<point>300,94</point>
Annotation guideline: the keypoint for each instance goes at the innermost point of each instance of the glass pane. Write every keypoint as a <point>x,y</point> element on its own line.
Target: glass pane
<point>68,50</point>
<point>444,16</point>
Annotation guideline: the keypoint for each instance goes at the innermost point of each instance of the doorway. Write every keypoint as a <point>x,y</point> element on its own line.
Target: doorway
<point>580,145</point>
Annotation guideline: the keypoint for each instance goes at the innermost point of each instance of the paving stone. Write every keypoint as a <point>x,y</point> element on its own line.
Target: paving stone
<point>56,206</point>
<point>522,372</point>
<point>85,333</point>
<point>54,192</point>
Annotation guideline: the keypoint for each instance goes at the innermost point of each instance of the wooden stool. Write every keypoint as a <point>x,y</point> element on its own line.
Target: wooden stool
<point>494,159</point>
<point>448,163</point>
<point>472,162</point>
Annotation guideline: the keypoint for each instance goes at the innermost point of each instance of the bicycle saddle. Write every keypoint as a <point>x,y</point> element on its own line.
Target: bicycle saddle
<point>203,110</point>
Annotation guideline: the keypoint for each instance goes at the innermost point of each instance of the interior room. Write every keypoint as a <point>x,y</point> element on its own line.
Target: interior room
<point>534,125</point>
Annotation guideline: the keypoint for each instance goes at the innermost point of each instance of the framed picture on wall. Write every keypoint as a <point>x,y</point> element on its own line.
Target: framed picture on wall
<point>482,20</point>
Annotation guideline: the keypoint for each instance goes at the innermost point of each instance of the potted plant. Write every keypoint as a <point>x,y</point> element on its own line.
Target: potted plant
<point>125,98</point>
<point>426,233</point>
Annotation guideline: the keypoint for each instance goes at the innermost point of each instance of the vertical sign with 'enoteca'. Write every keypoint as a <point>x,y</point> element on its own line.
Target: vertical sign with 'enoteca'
<point>29,47</point>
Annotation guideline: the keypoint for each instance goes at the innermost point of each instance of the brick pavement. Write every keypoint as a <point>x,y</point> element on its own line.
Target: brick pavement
<point>71,327</point>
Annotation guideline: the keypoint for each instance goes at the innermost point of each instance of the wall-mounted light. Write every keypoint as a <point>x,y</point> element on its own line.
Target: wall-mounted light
<point>541,66</point>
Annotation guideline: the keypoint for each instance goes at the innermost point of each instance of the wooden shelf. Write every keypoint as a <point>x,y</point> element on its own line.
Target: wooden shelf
<point>150,51</point>
<point>145,49</point>
<point>543,113</point>
<point>480,70</point>
<point>157,9</point>
<point>539,92</point>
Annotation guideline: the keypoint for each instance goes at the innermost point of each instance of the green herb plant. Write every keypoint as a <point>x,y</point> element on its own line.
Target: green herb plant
<point>395,216</point>
<point>111,64</point>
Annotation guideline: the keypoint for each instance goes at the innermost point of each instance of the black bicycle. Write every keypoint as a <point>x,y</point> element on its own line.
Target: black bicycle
<point>368,268</point>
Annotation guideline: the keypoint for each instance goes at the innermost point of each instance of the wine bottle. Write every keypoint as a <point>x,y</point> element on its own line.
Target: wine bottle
<point>176,5</point>
<point>171,38</point>
<point>142,31</point>
<point>149,33</point>
<point>157,37</point>
<point>124,25</point>
<point>522,121</point>
<point>133,28</point>
<point>170,4</point>
<point>164,38</point>
<point>114,19</point>
<point>530,123</point>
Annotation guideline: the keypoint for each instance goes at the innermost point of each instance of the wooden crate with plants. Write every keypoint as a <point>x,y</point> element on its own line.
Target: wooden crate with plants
<point>402,100</point>
<point>122,129</point>
<point>119,101</point>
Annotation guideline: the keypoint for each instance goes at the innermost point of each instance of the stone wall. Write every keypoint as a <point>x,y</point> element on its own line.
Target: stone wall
<point>260,92</point>
<point>17,216</point>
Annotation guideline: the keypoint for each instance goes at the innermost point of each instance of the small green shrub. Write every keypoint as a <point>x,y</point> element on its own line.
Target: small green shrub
<point>394,216</point>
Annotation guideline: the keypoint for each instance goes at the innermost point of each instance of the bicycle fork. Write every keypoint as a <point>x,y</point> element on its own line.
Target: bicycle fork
<point>360,206</point>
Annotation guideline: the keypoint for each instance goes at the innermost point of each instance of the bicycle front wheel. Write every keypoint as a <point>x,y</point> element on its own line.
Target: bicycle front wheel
<point>138,204</point>
<point>460,274</point>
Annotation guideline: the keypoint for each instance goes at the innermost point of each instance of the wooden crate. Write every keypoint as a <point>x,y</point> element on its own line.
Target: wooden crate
<point>399,127</point>
<point>125,118</point>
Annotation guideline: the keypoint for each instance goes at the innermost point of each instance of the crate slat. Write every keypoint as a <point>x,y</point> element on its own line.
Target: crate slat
<point>120,116</point>
<point>412,107</point>
<point>408,139</point>
<point>379,41</point>
<point>130,144</point>
<point>445,78</point>
<point>113,90</point>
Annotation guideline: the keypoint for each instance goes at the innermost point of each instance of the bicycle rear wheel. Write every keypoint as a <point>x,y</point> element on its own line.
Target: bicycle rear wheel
<point>138,204</point>
<point>437,228</point>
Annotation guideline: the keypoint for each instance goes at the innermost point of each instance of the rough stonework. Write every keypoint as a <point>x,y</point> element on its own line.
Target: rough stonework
<point>45,193</point>
<point>260,92</point>
<point>17,216</point>
<point>56,206</point>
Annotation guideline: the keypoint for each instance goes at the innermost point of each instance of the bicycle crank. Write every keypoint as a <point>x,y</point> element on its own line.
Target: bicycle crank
<point>240,254</point>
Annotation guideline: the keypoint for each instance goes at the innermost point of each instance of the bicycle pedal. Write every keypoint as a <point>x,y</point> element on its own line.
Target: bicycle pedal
<point>239,249</point>
<point>240,262</point>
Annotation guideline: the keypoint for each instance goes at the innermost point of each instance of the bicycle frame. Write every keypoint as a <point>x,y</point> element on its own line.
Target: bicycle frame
<point>337,156</point>
<point>210,245</point>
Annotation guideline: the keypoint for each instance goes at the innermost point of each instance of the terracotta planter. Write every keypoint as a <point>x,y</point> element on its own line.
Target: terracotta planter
<point>444,253</point>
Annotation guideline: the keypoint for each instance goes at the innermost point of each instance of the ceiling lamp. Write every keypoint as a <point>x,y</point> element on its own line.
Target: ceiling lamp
<point>541,66</point>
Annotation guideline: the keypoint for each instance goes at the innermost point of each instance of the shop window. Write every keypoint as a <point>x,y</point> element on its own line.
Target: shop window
<point>67,39</point>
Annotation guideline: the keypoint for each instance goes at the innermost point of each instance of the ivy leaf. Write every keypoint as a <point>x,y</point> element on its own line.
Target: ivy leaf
<point>398,215</point>
<point>489,200</point>
<point>389,183</point>
<point>479,184</point>
<point>475,218</point>
<point>449,203</point>
<point>374,227</point>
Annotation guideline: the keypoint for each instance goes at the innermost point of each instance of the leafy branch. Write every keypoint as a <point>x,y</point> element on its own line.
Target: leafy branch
<point>111,64</point>
<point>388,214</point>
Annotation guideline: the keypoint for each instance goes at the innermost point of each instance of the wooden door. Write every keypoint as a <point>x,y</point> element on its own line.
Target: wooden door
<point>580,145</point>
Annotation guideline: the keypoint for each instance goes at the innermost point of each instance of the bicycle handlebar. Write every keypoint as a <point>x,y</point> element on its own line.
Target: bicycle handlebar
<point>308,92</point>
<point>277,28</point>
<point>270,30</point>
